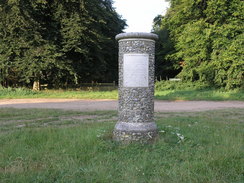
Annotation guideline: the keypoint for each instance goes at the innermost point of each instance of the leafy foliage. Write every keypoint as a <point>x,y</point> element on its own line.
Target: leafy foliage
<point>165,67</point>
<point>58,42</point>
<point>208,39</point>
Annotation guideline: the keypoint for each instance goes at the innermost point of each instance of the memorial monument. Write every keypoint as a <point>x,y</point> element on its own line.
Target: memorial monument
<point>136,88</point>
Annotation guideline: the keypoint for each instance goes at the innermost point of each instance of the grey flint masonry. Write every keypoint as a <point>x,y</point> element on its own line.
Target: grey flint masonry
<point>136,87</point>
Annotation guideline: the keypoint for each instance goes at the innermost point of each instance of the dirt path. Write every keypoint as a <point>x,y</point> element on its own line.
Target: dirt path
<point>96,105</point>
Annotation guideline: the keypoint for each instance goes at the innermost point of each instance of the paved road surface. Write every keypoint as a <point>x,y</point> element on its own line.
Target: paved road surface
<point>95,105</point>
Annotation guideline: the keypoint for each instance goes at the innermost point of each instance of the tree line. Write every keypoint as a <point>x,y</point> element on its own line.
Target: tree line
<point>58,42</point>
<point>202,40</point>
<point>63,43</point>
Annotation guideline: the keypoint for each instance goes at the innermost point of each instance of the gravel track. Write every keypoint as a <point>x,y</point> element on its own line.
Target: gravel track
<point>98,105</point>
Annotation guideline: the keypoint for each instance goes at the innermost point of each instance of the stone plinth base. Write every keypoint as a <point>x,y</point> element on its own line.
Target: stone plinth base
<point>135,132</point>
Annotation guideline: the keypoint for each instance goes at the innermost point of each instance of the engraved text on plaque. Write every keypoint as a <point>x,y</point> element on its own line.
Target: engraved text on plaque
<point>135,70</point>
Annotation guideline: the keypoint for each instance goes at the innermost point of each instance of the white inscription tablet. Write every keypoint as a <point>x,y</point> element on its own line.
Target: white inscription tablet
<point>136,70</point>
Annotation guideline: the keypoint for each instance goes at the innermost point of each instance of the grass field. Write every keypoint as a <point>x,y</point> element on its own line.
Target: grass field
<point>56,146</point>
<point>160,94</point>
<point>204,94</point>
<point>8,93</point>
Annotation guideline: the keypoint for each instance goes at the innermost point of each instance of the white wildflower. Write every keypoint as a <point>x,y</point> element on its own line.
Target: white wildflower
<point>180,136</point>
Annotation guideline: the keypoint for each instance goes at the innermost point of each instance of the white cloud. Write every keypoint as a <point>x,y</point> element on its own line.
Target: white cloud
<point>140,13</point>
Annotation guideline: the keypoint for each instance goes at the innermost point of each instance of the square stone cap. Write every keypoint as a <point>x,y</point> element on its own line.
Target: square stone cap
<point>137,35</point>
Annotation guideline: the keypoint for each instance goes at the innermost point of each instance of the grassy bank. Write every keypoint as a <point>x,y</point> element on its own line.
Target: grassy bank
<point>164,90</point>
<point>178,90</point>
<point>204,94</point>
<point>9,93</point>
<point>57,146</point>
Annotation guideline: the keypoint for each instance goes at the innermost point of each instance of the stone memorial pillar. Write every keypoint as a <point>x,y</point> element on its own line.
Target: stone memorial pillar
<point>136,88</point>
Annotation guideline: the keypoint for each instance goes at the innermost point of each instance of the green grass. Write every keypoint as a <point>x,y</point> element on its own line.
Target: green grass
<point>11,93</point>
<point>178,90</point>
<point>56,146</point>
<point>203,94</point>
<point>160,94</point>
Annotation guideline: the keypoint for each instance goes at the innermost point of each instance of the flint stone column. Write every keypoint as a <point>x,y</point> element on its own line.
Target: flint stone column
<point>136,88</point>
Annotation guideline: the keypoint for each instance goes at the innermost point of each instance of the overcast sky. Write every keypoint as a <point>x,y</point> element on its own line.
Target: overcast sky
<point>140,13</point>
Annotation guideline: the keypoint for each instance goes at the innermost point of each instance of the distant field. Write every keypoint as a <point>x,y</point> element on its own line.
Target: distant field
<point>160,94</point>
<point>56,146</point>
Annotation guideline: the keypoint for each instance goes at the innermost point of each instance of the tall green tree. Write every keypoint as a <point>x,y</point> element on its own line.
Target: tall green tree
<point>58,42</point>
<point>165,67</point>
<point>208,38</point>
<point>26,52</point>
<point>87,32</point>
